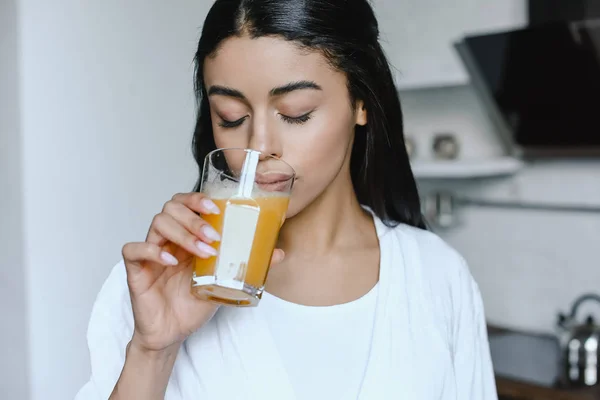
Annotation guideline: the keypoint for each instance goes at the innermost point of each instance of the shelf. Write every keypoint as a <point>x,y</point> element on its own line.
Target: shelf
<point>466,169</point>
<point>422,83</point>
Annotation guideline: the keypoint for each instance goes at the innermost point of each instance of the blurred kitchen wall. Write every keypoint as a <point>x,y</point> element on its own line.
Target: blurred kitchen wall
<point>13,306</point>
<point>96,118</point>
<point>529,264</point>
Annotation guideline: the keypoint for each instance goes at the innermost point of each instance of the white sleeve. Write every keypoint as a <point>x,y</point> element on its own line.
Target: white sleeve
<point>109,331</point>
<point>472,360</point>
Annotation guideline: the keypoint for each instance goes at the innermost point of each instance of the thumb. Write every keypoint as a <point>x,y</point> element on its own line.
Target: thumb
<point>278,256</point>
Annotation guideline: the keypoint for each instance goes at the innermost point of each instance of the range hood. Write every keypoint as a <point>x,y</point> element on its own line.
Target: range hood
<point>540,86</point>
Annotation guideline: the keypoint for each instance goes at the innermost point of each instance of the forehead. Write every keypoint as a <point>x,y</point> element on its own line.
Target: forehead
<point>266,62</point>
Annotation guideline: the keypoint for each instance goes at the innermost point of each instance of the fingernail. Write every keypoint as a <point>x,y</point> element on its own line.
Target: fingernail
<point>210,206</point>
<point>206,249</point>
<point>168,258</point>
<point>210,233</point>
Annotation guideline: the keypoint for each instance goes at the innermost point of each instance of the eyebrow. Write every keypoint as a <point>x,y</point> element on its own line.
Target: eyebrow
<point>225,91</point>
<point>293,86</point>
<point>218,90</point>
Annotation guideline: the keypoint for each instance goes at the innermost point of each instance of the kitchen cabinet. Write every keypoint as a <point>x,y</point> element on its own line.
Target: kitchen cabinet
<point>419,35</point>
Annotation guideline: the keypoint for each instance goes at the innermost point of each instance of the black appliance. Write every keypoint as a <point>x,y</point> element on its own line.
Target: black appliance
<point>544,11</point>
<point>541,86</point>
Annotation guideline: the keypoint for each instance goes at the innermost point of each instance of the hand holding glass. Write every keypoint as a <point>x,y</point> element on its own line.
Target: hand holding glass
<point>252,191</point>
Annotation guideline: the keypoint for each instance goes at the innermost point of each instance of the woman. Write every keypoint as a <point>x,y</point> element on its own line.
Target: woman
<point>363,302</point>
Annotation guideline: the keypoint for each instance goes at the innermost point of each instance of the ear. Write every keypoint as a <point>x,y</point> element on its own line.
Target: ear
<point>361,113</point>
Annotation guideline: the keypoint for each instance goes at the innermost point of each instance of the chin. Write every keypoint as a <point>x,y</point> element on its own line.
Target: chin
<point>293,210</point>
<point>298,203</point>
<point>302,199</point>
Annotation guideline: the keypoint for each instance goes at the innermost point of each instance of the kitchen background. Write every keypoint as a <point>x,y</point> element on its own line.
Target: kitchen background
<point>96,113</point>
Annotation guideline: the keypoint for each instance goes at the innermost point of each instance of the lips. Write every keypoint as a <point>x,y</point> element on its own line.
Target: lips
<point>272,178</point>
<point>274,182</point>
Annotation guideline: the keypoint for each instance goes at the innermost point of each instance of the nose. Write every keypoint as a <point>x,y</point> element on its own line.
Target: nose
<point>265,139</point>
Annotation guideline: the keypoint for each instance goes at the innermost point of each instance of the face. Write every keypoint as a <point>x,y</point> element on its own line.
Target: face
<point>267,94</point>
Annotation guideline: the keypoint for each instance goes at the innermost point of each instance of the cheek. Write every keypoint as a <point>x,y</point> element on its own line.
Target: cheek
<point>321,146</point>
<point>229,139</point>
<point>318,157</point>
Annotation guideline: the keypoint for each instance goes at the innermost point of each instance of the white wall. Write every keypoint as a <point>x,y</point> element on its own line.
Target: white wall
<point>13,361</point>
<point>529,264</point>
<point>107,118</point>
<point>418,35</point>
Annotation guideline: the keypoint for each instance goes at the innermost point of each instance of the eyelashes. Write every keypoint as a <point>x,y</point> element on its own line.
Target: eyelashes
<point>302,119</point>
<point>231,124</point>
<point>296,120</point>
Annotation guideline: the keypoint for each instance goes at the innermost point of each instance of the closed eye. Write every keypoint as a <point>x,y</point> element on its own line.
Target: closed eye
<point>296,120</point>
<point>231,124</point>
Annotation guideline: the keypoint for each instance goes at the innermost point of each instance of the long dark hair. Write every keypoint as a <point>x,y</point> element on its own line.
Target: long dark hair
<point>347,33</point>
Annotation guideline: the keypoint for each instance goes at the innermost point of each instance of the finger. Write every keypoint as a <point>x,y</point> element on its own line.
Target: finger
<point>278,256</point>
<point>192,222</point>
<point>165,227</point>
<point>197,202</point>
<point>148,252</point>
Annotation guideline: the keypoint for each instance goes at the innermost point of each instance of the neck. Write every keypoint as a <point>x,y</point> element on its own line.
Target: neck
<point>335,219</point>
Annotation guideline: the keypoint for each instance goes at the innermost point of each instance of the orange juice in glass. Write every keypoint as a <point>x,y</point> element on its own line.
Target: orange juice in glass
<point>252,191</point>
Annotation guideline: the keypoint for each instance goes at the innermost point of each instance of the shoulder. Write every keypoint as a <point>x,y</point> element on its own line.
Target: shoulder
<point>109,331</point>
<point>444,295</point>
<point>437,274</point>
<point>435,258</point>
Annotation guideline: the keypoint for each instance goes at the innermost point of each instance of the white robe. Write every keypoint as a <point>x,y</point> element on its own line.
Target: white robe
<point>429,336</point>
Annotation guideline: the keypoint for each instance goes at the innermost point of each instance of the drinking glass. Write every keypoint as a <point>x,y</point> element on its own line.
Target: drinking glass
<point>252,191</point>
